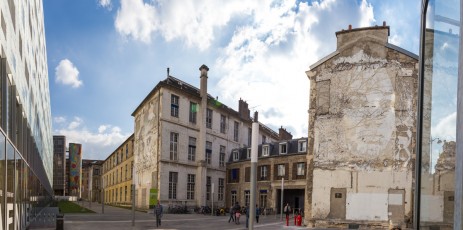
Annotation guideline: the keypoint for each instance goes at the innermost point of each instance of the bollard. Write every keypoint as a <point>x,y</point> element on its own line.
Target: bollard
<point>59,222</point>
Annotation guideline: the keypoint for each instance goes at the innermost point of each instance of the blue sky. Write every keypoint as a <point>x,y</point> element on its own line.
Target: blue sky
<point>104,56</point>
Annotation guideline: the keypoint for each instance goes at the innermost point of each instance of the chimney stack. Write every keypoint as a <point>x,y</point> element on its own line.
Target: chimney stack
<point>350,27</point>
<point>203,85</point>
<point>243,109</point>
<point>384,23</point>
<point>284,135</point>
<point>168,71</point>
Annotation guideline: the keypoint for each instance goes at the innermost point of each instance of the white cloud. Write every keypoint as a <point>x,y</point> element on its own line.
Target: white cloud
<point>96,144</point>
<point>105,4</point>
<point>67,74</point>
<point>446,128</point>
<point>273,52</point>
<point>136,19</point>
<point>59,119</point>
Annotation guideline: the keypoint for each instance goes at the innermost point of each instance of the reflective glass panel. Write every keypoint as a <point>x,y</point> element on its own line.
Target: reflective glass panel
<point>440,58</point>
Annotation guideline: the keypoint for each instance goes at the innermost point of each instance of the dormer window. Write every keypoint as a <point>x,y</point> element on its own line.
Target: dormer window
<point>236,156</point>
<point>249,153</point>
<point>302,146</point>
<point>265,151</point>
<point>283,148</point>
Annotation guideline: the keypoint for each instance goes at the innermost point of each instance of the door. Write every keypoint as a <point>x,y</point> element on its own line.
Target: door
<point>396,206</point>
<point>338,203</point>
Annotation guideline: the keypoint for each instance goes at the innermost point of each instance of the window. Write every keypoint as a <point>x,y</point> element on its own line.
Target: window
<point>234,175</point>
<point>208,188</point>
<point>264,139</point>
<point>192,149</point>
<point>265,150</point>
<point>222,156</point>
<point>221,189</point>
<point>193,112</point>
<point>173,178</point>
<point>302,146</point>
<point>236,155</point>
<point>263,172</point>
<point>126,151</point>
<point>283,149</point>
<point>233,197</point>
<point>173,146</point>
<point>248,153</point>
<point>190,190</point>
<point>247,198</point>
<point>209,118</point>
<point>236,131</point>
<point>300,169</point>
<point>174,105</point>
<point>263,199</point>
<point>126,194</point>
<point>223,122</point>
<point>247,174</point>
<point>281,170</point>
<point>126,169</point>
<point>208,152</point>
<point>249,136</point>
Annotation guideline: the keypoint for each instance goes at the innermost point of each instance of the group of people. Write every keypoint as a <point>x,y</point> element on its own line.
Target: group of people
<point>235,214</point>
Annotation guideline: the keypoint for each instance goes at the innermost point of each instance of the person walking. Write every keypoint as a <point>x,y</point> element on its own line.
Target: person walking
<point>247,216</point>
<point>232,214</point>
<point>158,213</point>
<point>237,209</point>
<point>287,211</point>
<point>257,213</point>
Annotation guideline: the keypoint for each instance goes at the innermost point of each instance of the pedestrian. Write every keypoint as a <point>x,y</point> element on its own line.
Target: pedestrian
<point>287,211</point>
<point>158,213</point>
<point>237,209</point>
<point>247,216</point>
<point>232,214</point>
<point>237,216</point>
<point>257,213</point>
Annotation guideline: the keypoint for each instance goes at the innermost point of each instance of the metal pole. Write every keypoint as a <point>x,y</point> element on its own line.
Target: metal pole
<point>254,140</point>
<point>281,198</point>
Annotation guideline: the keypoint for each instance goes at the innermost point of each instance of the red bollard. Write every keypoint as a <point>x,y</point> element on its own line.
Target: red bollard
<point>295,216</point>
<point>287,220</point>
<point>299,220</point>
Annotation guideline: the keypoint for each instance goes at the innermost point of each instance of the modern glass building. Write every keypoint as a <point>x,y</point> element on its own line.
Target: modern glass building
<point>439,174</point>
<point>26,154</point>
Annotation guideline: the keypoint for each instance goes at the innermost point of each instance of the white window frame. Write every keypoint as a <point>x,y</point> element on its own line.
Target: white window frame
<point>264,172</point>
<point>265,150</point>
<point>300,169</point>
<point>281,170</point>
<point>302,146</point>
<point>236,155</point>
<point>281,149</point>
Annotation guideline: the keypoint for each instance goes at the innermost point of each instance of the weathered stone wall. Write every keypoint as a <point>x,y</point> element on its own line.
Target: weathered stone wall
<point>362,129</point>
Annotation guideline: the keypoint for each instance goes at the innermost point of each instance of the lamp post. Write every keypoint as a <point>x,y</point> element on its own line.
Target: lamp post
<point>254,140</point>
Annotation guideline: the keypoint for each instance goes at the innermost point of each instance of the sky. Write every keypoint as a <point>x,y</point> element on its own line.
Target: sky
<point>105,56</point>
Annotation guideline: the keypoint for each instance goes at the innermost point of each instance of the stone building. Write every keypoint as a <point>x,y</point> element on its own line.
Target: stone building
<point>95,181</point>
<point>183,138</point>
<point>281,160</point>
<point>362,126</point>
<point>118,174</point>
<point>89,187</point>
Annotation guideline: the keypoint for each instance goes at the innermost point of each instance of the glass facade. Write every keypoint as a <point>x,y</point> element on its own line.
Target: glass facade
<point>438,114</point>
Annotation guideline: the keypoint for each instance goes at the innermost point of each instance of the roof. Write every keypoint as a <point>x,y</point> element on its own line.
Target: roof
<point>193,91</point>
<point>292,149</point>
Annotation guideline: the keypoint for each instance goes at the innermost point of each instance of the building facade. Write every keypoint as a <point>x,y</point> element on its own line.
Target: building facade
<point>26,145</point>
<point>362,126</point>
<point>117,174</point>
<point>91,179</point>
<point>279,162</point>
<point>183,138</point>
<point>95,181</point>
<point>59,165</point>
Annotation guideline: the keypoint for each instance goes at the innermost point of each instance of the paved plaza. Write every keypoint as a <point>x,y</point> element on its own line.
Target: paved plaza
<point>119,218</point>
